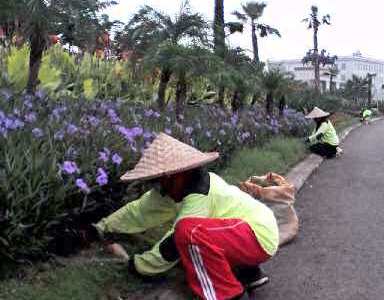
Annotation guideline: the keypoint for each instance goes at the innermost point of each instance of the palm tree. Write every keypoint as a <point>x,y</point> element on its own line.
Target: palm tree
<point>314,23</point>
<point>149,24</point>
<point>38,19</point>
<point>252,11</point>
<point>273,82</point>
<point>332,72</point>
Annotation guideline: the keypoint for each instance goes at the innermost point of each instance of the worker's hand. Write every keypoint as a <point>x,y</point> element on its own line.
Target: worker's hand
<point>117,250</point>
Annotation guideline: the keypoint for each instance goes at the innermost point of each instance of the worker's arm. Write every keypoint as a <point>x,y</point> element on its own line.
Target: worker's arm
<point>149,211</point>
<point>319,133</point>
<point>163,256</point>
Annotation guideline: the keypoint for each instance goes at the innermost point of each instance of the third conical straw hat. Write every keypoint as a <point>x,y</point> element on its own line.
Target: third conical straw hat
<point>317,113</point>
<point>166,156</point>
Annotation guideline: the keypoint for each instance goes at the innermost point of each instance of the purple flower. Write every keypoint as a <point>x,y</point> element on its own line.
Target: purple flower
<point>189,130</point>
<point>59,136</point>
<point>13,123</point>
<point>148,113</point>
<point>82,185</point>
<point>130,133</point>
<point>168,131</point>
<point>234,120</point>
<point>116,158</point>
<point>37,132</point>
<point>3,132</point>
<point>93,121</point>
<point>222,132</point>
<point>40,94</point>
<point>156,114</point>
<point>72,129</point>
<point>102,177</point>
<point>103,156</point>
<point>113,116</point>
<point>30,117</point>
<point>70,167</point>
<point>147,135</point>
<point>28,103</point>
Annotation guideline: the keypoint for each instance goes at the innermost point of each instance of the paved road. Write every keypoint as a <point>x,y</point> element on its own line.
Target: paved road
<point>339,253</point>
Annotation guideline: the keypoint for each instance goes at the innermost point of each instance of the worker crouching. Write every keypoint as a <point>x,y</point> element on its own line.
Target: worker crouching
<point>220,234</point>
<point>324,140</point>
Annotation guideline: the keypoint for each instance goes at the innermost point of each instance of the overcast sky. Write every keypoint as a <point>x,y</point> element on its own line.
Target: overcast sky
<point>355,26</point>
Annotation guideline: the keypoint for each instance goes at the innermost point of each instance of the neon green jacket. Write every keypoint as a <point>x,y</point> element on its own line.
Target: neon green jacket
<point>327,134</point>
<point>367,113</point>
<point>222,201</point>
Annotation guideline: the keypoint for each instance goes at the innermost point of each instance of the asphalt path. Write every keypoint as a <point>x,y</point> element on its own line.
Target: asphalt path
<point>339,252</point>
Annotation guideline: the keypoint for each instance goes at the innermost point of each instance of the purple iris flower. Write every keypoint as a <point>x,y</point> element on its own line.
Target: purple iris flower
<point>102,177</point>
<point>116,158</point>
<point>103,156</point>
<point>189,130</point>
<point>82,185</point>
<point>59,136</point>
<point>30,117</point>
<point>72,129</point>
<point>168,131</point>
<point>148,113</point>
<point>70,167</point>
<point>37,132</point>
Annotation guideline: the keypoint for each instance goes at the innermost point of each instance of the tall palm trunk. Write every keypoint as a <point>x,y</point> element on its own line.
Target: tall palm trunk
<point>282,103</point>
<point>165,77</point>
<point>38,44</point>
<point>219,40</point>
<point>237,101</point>
<point>269,103</point>
<point>181,95</point>
<point>218,28</point>
<point>316,60</point>
<point>255,45</point>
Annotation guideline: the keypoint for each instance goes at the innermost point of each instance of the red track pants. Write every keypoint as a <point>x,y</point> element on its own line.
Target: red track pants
<point>210,248</point>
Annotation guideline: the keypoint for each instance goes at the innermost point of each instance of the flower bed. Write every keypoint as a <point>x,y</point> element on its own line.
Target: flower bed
<point>61,158</point>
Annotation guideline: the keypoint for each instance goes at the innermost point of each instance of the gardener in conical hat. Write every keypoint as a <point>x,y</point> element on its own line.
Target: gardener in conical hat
<point>220,234</point>
<point>323,140</point>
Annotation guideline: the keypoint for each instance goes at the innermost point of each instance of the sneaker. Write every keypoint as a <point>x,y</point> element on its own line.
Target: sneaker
<point>339,151</point>
<point>253,278</point>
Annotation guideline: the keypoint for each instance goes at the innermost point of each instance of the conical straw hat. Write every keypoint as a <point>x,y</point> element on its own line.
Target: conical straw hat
<point>166,156</point>
<point>317,113</point>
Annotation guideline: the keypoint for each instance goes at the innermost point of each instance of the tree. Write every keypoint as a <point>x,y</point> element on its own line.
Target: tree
<point>314,23</point>
<point>252,11</point>
<point>332,72</point>
<point>151,25</point>
<point>356,89</point>
<point>39,18</point>
<point>274,82</point>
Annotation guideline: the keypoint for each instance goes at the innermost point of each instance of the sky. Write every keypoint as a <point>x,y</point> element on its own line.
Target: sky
<point>356,25</point>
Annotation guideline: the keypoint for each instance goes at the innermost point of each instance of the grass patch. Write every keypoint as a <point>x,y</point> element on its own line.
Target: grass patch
<point>278,156</point>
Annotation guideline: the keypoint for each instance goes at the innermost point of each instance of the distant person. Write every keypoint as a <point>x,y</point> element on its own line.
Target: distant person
<point>324,140</point>
<point>366,115</point>
<point>220,233</point>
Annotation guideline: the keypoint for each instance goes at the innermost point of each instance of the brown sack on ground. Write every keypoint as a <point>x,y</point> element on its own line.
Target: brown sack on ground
<point>276,192</point>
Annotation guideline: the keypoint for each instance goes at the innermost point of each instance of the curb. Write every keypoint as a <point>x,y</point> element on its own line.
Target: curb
<point>299,174</point>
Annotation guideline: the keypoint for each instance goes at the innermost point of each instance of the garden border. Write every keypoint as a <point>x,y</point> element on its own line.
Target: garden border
<point>300,173</point>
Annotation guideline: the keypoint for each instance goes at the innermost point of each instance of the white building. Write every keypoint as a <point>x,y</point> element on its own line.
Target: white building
<point>347,66</point>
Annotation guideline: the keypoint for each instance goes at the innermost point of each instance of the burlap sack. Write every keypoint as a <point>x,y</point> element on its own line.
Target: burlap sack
<point>276,192</point>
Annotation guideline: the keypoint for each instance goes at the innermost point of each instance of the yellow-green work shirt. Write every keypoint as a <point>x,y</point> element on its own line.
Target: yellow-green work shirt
<point>328,134</point>
<point>222,201</point>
